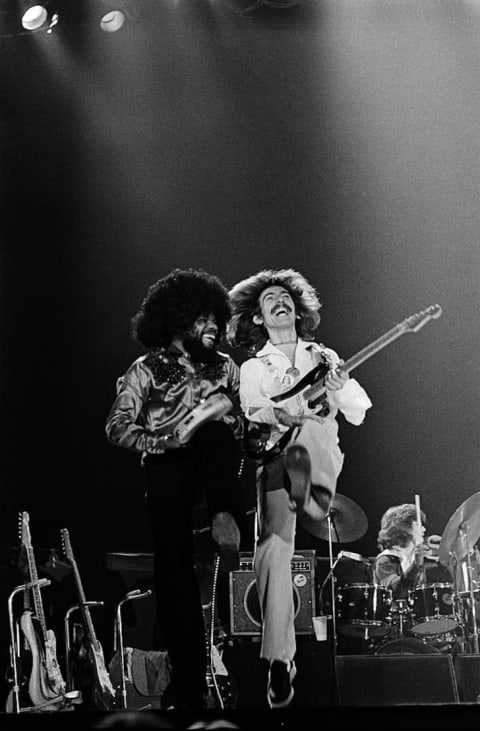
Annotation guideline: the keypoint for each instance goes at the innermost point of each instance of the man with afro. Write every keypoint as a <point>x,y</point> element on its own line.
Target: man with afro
<point>177,406</point>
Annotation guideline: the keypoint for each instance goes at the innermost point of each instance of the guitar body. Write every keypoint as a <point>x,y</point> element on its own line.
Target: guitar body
<point>211,409</point>
<point>54,674</point>
<point>103,691</point>
<point>39,687</point>
<point>222,691</point>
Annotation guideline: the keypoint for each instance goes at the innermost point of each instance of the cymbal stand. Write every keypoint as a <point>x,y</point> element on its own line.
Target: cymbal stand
<point>333,563</point>
<point>118,635</point>
<point>464,530</point>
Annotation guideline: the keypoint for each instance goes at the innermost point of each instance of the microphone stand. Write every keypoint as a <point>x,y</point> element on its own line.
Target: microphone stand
<point>330,575</point>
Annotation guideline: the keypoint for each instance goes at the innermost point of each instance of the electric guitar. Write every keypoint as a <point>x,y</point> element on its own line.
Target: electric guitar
<point>46,682</point>
<point>308,395</point>
<point>102,690</point>
<point>210,409</point>
<point>221,688</point>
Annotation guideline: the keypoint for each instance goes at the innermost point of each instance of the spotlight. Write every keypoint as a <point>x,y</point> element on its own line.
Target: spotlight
<point>113,14</point>
<point>34,17</point>
<point>112,21</point>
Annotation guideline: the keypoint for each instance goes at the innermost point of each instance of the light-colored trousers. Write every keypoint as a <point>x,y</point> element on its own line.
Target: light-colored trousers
<point>274,548</point>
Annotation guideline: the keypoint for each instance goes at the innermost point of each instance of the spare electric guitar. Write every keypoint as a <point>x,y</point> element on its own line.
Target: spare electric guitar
<point>308,395</point>
<point>46,682</point>
<point>102,692</point>
<point>210,409</point>
<point>221,688</point>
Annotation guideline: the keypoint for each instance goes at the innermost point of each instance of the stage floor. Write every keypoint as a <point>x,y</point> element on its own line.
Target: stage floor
<point>421,717</point>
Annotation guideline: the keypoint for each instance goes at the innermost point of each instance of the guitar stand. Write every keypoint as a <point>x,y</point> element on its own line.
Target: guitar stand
<point>118,637</point>
<point>67,699</point>
<point>68,650</point>
<point>15,646</point>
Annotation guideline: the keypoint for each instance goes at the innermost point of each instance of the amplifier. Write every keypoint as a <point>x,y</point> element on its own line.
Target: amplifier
<point>245,612</point>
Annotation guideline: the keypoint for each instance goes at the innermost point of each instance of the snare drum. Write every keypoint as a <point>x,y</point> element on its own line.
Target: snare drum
<point>433,609</point>
<point>363,609</point>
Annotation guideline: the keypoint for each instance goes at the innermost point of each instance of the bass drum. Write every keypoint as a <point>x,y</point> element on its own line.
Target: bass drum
<point>405,646</point>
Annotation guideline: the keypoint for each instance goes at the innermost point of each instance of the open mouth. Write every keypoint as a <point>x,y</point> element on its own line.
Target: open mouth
<point>281,310</point>
<point>209,338</point>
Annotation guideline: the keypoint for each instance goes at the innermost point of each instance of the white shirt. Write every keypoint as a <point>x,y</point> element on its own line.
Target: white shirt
<point>266,375</point>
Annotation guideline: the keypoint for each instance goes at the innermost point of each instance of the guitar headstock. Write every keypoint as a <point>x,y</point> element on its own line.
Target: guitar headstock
<point>24,529</point>
<point>67,546</point>
<point>417,321</point>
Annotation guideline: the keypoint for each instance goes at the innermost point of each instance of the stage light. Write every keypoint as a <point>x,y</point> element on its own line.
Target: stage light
<point>34,17</point>
<point>112,21</point>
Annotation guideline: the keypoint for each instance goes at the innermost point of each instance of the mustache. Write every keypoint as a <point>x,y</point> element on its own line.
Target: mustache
<point>281,307</point>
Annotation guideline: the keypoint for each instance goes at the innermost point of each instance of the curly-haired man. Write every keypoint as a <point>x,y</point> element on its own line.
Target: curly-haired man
<point>177,405</point>
<point>400,564</point>
<point>275,313</point>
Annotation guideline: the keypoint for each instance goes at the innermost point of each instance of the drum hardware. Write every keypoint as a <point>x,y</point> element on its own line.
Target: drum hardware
<point>458,540</point>
<point>344,521</point>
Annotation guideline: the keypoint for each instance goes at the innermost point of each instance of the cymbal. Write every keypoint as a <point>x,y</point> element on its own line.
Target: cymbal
<point>349,522</point>
<point>461,532</point>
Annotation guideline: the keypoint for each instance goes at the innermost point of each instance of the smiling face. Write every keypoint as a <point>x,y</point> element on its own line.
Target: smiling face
<point>277,310</point>
<point>205,329</point>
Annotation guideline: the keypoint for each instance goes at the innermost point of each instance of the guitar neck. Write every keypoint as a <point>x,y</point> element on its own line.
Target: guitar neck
<point>374,347</point>
<point>360,357</point>
<point>87,618</point>
<point>37,597</point>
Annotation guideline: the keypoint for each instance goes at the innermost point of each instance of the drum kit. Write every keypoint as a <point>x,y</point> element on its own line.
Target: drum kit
<point>435,616</point>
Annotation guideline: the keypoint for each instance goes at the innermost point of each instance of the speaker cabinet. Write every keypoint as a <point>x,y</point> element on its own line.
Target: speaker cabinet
<point>467,671</point>
<point>312,684</point>
<point>392,680</point>
<point>245,612</point>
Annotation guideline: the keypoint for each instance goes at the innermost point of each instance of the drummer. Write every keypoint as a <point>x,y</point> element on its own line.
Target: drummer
<point>400,566</point>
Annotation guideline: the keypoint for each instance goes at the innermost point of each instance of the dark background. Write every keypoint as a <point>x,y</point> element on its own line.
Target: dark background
<point>339,138</point>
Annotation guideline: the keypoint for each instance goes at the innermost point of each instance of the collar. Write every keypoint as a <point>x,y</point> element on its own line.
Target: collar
<point>270,349</point>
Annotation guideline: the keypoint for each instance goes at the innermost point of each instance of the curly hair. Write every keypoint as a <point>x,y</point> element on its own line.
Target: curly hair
<point>244,298</point>
<point>396,525</point>
<point>174,302</point>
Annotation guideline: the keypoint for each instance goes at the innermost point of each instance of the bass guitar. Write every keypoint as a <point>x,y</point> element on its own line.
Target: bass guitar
<point>46,682</point>
<point>308,396</point>
<point>102,691</point>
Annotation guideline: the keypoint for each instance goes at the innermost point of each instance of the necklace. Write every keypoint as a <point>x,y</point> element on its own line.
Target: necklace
<point>287,342</point>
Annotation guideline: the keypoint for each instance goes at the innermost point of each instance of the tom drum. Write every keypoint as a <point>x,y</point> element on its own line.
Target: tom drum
<point>363,610</point>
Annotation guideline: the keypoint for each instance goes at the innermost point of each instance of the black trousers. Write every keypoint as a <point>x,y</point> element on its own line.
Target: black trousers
<point>175,482</point>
